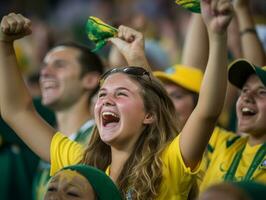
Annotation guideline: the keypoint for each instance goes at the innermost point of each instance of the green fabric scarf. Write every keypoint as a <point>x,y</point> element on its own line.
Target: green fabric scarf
<point>99,32</point>
<point>192,5</point>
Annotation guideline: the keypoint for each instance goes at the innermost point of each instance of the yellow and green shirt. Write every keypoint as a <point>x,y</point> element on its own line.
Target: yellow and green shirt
<point>222,151</point>
<point>42,175</point>
<point>177,178</point>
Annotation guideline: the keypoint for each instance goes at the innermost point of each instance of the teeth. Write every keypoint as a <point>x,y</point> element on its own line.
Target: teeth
<point>109,113</point>
<point>245,109</point>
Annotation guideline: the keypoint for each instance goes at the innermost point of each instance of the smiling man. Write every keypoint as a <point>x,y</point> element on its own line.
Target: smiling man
<point>69,79</point>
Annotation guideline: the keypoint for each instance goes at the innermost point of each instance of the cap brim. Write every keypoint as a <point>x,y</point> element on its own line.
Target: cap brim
<point>180,80</point>
<point>103,186</point>
<point>165,77</point>
<point>239,71</point>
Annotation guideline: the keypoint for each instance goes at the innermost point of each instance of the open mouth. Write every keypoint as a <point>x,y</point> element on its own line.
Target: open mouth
<point>48,85</point>
<point>109,117</point>
<point>248,112</point>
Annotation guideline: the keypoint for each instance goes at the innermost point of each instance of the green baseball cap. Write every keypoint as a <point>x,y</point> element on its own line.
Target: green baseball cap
<point>102,184</point>
<point>241,69</point>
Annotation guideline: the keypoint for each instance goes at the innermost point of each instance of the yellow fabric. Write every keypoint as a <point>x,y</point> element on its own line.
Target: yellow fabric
<point>187,77</point>
<point>64,152</point>
<point>177,178</point>
<point>222,156</point>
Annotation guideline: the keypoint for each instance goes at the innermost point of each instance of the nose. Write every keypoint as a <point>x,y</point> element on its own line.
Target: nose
<point>108,100</point>
<point>46,71</point>
<point>248,97</point>
<point>53,197</point>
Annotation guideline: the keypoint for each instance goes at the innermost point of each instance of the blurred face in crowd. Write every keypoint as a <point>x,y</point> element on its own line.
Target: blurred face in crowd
<point>223,191</point>
<point>68,184</point>
<point>60,79</point>
<point>251,107</point>
<point>182,99</point>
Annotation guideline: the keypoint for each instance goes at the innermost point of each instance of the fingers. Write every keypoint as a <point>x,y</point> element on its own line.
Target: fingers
<point>15,24</point>
<point>221,7</point>
<point>225,6</point>
<point>128,34</point>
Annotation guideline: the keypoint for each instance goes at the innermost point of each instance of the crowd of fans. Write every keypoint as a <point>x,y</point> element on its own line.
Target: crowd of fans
<point>161,122</point>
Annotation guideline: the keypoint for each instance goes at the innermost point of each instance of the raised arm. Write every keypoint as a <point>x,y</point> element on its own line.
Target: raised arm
<point>15,101</point>
<point>196,47</point>
<point>199,127</point>
<point>251,46</point>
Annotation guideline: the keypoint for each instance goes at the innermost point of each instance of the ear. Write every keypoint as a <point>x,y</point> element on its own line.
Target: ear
<point>149,118</point>
<point>90,80</point>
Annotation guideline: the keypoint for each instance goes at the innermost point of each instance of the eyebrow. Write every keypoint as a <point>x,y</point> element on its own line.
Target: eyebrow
<point>119,88</point>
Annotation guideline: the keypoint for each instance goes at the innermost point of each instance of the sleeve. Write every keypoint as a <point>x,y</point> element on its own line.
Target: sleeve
<point>64,152</point>
<point>174,160</point>
<point>175,171</point>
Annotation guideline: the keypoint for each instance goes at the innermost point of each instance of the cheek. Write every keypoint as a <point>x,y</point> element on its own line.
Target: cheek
<point>238,103</point>
<point>134,108</point>
<point>184,106</point>
<point>96,109</point>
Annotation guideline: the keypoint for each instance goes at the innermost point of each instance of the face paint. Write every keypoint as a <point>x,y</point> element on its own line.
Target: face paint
<point>68,184</point>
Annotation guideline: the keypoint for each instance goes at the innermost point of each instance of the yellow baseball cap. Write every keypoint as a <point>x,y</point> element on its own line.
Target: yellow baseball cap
<point>187,77</point>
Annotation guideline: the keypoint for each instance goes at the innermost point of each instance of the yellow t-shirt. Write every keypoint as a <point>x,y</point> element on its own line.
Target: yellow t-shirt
<point>177,178</point>
<point>64,152</point>
<point>223,147</point>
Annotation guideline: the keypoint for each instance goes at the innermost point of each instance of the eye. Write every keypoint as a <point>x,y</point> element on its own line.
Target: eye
<point>52,189</point>
<point>121,94</point>
<point>72,194</point>
<point>262,92</point>
<point>101,94</point>
<point>176,95</point>
<point>244,90</point>
<point>59,64</point>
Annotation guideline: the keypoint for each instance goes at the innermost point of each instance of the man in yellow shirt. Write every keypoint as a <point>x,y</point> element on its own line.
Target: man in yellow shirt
<point>240,158</point>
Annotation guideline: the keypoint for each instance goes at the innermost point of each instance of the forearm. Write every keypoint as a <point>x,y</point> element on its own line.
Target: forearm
<point>16,105</point>
<point>14,95</point>
<point>196,47</point>
<point>251,45</point>
<point>214,83</point>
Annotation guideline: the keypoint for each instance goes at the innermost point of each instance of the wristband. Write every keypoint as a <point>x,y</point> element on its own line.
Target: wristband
<point>248,30</point>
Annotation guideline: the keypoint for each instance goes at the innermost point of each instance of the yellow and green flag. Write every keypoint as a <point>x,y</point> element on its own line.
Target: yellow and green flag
<point>192,5</point>
<point>99,32</point>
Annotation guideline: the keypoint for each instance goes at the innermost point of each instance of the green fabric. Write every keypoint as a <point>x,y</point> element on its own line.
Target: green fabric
<point>254,190</point>
<point>17,162</point>
<point>5,162</point>
<point>102,184</point>
<point>17,167</point>
<point>99,32</point>
<point>192,5</point>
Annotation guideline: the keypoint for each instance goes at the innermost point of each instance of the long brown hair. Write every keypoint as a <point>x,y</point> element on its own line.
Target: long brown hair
<point>142,173</point>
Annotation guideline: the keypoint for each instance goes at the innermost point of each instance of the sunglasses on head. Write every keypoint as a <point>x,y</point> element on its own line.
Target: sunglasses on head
<point>136,71</point>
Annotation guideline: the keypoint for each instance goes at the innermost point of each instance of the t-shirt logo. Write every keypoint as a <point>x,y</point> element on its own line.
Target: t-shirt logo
<point>263,164</point>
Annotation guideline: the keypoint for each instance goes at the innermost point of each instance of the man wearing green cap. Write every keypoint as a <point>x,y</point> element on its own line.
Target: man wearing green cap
<point>242,158</point>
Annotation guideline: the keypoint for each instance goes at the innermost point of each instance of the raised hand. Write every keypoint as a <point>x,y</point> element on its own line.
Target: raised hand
<point>130,43</point>
<point>13,27</point>
<point>238,4</point>
<point>217,15</point>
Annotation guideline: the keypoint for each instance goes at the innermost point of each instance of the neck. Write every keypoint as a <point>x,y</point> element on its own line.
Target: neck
<point>71,119</point>
<point>119,159</point>
<point>256,139</point>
